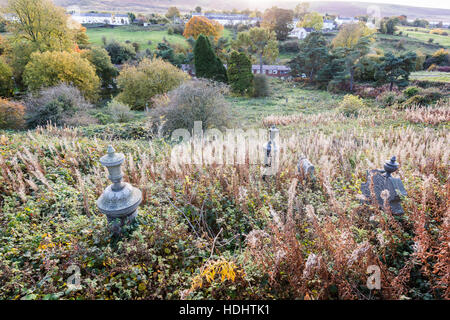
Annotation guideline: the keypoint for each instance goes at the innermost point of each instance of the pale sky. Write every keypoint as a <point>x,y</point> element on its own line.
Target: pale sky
<point>416,3</point>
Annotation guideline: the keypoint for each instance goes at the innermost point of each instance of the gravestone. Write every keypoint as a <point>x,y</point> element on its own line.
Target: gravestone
<point>382,181</point>
<point>271,153</point>
<point>119,201</point>
<point>305,168</point>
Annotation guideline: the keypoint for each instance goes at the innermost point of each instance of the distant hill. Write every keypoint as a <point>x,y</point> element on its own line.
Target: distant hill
<point>343,8</point>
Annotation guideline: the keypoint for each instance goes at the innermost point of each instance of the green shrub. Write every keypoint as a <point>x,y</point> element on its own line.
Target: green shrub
<point>119,112</point>
<point>51,68</point>
<point>117,131</point>
<point>11,115</point>
<point>261,86</point>
<point>60,105</point>
<point>411,91</point>
<point>139,84</point>
<point>432,95</point>
<point>119,52</point>
<point>416,100</point>
<point>197,100</point>
<point>351,105</point>
<point>104,68</point>
<point>387,98</point>
<point>424,97</point>
<point>6,82</point>
<point>367,66</point>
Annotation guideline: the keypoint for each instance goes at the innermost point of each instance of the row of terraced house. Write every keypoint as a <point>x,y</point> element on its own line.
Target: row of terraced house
<point>276,71</point>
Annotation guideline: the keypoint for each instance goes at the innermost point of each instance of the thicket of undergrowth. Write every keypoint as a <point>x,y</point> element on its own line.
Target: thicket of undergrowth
<point>221,231</point>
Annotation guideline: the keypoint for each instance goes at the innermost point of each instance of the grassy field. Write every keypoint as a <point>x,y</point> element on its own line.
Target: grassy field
<point>134,34</point>
<point>431,76</point>
<point>249,112</point>
<point>140,35</point>
<point>390,43</point>
<point>423,36</point>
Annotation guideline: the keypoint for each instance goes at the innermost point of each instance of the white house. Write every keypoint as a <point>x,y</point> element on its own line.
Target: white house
<point>10,17</point>
<point>106,18</point>
<point>341,20</point>
<point>370,25</point>
<point>328,25</point>
<point>300,33</point>
<point>229,19</point>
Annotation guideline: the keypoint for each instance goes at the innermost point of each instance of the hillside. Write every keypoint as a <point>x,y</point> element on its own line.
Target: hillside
<point>333,7</point>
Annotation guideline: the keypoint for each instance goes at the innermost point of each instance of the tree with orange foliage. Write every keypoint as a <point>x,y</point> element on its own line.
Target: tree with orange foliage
<point>201,25</point>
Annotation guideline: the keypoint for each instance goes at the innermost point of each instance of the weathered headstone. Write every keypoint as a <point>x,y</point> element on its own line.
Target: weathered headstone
<point>271,153</point>
<point>305,168</point>
<point>119,201</point>
<point>385,187</point>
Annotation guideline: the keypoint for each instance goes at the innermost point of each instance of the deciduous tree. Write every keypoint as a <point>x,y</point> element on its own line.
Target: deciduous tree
<point>52,67</point>
<point>301,10</point>
<point>201,25</point>
<point>387,25</point>
<point>172,13</point>
<point>260,42</point>
<point>350,58</point>
<point>104,68</point>
<point>139,84</point>
<point>312,20</point>
<point>278,20</point>
<point>41,23</point>
<point>120,52</point>
<point>350,34</point>
<point>6,82</point>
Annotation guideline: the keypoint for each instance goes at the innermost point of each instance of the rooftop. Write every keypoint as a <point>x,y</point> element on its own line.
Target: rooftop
<point>101,15</point>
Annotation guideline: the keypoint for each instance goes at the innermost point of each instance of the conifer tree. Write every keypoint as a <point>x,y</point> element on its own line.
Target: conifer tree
<point>240,74</point>
<point>207,64</point>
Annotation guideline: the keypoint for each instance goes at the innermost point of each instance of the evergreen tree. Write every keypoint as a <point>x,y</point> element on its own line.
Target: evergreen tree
<point>396,69</point>
<point>207,64</point>
<point>312,56</point>
<point>240,73</point>
<point>349,58</point>
<point>329,71</point>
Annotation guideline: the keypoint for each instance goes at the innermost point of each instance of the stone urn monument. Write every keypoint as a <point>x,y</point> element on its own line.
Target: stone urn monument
<point>384,181</point>
<point>120,201</point>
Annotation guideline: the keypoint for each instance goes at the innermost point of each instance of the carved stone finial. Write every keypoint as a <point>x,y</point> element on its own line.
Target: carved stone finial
<point>119,201</point>
<point>387,189</point>
<point>390,166</point>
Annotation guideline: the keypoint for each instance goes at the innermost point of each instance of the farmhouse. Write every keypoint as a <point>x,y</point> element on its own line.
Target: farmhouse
<point>276,71</point>
<point>229,19</point>
<point>341,20</point>
<point>328,25</point>
<point>106,18</point>
<point>300,33</point>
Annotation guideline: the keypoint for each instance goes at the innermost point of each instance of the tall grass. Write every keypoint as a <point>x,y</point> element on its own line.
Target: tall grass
<point>310,240</point>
